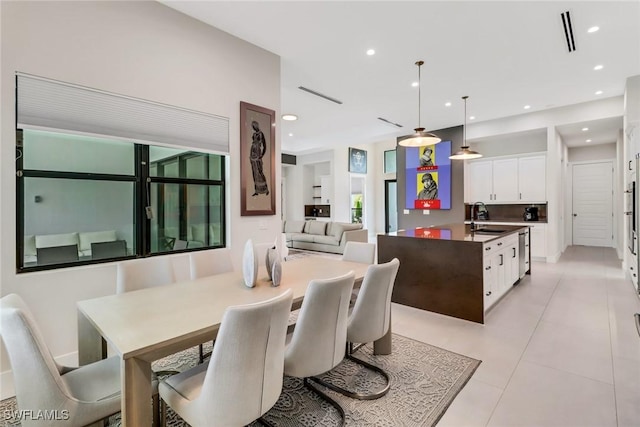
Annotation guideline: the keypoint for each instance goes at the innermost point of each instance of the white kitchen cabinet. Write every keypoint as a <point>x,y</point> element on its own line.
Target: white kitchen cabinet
<point>488,282</point>
<point>532,179</point>
<point>480,181</point>
<point>501,268</point>
<point>539,241</point>
<point>505,185</point>
<point>507,180</point>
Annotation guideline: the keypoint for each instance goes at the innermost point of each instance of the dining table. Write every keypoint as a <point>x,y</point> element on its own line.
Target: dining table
<point>149,324</point>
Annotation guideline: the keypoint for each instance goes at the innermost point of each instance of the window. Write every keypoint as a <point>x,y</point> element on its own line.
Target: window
<point>390,161</point>
<point>94,184</point>
<point>84,200</point>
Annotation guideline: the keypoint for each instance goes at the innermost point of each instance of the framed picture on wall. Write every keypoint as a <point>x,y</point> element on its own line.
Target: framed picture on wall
<point>357,160</point>
<point>257,160</point>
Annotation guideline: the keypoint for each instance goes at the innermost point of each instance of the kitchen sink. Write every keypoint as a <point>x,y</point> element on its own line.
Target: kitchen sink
<point>490,230</point>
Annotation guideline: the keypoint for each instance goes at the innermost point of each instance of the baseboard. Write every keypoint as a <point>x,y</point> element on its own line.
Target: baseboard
<point>7,388</point>
<point>554,258</point>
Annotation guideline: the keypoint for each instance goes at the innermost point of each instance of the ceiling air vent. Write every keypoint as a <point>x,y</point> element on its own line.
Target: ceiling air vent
<point>568,31</point>
<point>313,92</point>
<point>389,122</point>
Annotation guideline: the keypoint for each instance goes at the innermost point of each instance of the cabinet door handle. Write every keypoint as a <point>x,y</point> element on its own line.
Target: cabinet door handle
<point>500,244</point>
<point>520,196</point>
<point>501,260</point>
<point>488,293</point>
<point>630,164</point>
<point>488,268</point>
<point>487,248</point>
<point>514,252</point>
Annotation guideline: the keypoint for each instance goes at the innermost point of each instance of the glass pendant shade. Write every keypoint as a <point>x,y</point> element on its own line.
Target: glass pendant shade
<point>465,152</point>
<point>420,137</point>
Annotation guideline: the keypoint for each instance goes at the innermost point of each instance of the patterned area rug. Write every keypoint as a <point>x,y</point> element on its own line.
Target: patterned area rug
<point>425,380</point>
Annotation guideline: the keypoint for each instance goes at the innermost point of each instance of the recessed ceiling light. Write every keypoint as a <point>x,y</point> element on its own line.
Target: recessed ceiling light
<point>371,52</point>
<point>598,67</point>
<point>290,134</point>
<point>585,129</point>
<point>593,29</point>
<point>526,107</point>
<point>472,118</point>
<point>447,104</point>
<point>588,140</point>
<point>598,92</point>
<point>414,84</point>
<point>289,117</point>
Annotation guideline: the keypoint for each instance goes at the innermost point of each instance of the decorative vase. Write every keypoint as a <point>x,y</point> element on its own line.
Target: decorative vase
<point>249,264</point>
<point>276,273</point>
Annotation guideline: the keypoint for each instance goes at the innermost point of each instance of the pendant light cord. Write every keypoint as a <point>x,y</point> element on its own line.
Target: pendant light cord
<point>464,129</point>
<point>419,64</point>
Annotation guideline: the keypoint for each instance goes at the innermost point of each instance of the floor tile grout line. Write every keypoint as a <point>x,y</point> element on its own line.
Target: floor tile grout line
<point>613,369</point>
<point>560,277</point>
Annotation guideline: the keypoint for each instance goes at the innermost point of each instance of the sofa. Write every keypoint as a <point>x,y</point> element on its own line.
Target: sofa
<point>82,240</point>
<point>321,235</point>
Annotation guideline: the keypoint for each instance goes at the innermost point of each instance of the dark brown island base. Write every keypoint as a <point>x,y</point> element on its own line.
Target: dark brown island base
<point>453,270</point>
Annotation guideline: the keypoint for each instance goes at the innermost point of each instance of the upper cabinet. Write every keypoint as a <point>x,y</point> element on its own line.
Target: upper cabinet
<point>532,179</point>
<point>507,180</point>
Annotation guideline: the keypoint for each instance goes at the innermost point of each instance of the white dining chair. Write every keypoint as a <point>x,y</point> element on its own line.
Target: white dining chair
<point>359,252</point>
<point>370,320</point>
<point>244,377</point>
<point>144,273</point>
<point>209,263</point>
<point>318,341</point>
<point>78,396</point>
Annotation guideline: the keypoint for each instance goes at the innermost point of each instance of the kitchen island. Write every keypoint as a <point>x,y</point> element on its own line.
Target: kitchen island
<point>454,270</point>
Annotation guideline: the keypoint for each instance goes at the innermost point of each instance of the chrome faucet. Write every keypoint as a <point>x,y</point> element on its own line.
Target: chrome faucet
<point>473,209</point>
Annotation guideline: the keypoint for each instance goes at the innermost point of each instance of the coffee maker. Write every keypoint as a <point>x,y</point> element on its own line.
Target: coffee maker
<point>530,213</point>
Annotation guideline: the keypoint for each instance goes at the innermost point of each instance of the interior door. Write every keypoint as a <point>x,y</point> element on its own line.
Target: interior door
<point>592,201</point>
<point>390,205</point>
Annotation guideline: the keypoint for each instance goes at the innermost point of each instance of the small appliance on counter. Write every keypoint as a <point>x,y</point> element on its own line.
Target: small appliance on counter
<point>530,213</point>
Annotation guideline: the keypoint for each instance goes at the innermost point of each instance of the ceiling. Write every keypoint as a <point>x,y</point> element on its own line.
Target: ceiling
<point>503,55</point>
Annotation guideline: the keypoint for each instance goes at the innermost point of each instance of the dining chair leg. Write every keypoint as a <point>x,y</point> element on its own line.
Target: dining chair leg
<point>163,413</point>
<point>325,397</point>
<point>156,410</point>
<point>353,394</point>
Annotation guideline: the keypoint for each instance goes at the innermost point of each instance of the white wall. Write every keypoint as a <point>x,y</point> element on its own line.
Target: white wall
<point>139,49</point>
<point>594,152</point>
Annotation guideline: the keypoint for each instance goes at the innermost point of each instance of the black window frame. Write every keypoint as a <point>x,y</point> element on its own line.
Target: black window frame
<point>142,191</point>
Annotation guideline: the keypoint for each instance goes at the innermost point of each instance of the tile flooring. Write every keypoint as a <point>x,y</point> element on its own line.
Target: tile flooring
<point>561,349</point>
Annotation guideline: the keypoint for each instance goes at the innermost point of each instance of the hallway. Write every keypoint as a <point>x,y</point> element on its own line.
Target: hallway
<point>561,349</point>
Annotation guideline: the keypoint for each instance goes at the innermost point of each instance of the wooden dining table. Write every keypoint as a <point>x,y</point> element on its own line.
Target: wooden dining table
<point>149,324</point>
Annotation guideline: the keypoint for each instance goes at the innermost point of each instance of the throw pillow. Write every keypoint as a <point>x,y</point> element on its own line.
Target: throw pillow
<point>317,227</point>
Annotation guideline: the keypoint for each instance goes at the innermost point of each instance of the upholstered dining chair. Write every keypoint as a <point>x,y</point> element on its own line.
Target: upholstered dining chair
<point>318,341</point>
<point>79,396</point>
<point>209,263</point>
<point>359,252</point>
<point>370,320</point>
<point>144,273</point>
<point>243,379</point>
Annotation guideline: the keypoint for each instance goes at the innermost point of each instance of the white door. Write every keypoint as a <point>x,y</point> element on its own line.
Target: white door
<point>593,204</point>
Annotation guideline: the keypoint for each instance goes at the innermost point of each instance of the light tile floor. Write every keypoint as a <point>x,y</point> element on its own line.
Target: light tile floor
<point>561,349</point>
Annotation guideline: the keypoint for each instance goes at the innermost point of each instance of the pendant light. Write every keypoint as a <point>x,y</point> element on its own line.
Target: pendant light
<point>420,137</point>
<point>465,152</point>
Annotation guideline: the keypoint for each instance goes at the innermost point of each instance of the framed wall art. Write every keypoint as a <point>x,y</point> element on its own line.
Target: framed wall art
<point>257,160</point>
<point>357,160</point>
